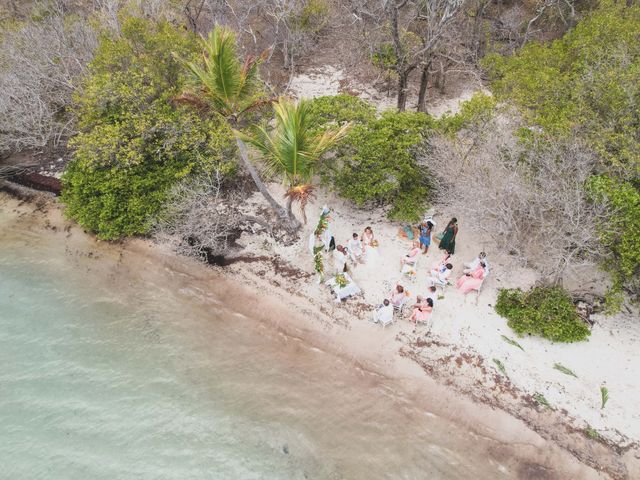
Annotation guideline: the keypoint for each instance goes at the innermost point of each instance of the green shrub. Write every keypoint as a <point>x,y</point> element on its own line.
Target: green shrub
<point>474,112</point>
<point>621,234</point>
<point>545,311</point>
<point>313,16</point>
<point>384,57</point>
<point>333,110</point>
<point>588,79</point>
<point>377,164</point>
<point>135,143</point>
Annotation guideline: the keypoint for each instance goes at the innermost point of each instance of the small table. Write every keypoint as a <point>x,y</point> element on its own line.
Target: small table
<point>348,290</point>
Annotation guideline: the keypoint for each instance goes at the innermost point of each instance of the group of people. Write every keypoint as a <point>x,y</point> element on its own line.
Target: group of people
<point>358,250</point>
<point>472,278</point>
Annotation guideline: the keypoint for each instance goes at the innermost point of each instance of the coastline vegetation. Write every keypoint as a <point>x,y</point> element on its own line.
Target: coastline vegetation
<point>545,311</point>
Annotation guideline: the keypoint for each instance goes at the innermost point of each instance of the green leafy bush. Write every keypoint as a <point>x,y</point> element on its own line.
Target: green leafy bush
<point>588,79</point>
<point>384,57</point>
<point>377,164</point>
<point>621,234</point>
<point>135,143</point>
<point>474,112</point>
<point>545,311</point>
<point>313,16</point>
<point>331,110</point>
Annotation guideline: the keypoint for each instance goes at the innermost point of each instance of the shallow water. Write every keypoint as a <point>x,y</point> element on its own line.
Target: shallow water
<point>106,377</point>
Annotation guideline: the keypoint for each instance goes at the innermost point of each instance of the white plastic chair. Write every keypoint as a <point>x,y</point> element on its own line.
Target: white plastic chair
<point>410,269</point>
<point>477,290</point>
<point>399,309</point>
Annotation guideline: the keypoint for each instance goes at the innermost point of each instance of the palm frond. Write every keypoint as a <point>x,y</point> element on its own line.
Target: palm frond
<point>538,397</point>
<point>564,369</point>
<point>604,396</point>
<point>512,342</point>
<point>288,149</point>
<point>221,79</point>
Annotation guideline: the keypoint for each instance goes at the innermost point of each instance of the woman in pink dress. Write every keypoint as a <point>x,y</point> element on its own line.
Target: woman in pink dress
<point>472,281</point>
<point>411,257</point>
<point>422,310</point>
<point>397,296</point>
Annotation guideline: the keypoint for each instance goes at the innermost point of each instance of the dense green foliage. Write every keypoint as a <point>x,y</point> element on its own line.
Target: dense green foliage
<point>378,164</point>
<point>331,110</point>
<point>135,143</point>
<point>586,80</point>
<point>545,311</point>
<point>587,84</point>
<point>474,112</point>
<point>622,233</point>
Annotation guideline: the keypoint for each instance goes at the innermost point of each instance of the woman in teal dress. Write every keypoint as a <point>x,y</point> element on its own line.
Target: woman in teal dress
<point>448,241</point>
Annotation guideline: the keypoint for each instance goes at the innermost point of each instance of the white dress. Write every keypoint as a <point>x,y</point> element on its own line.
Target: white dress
<point>355,249</point>
<point>371,254</point>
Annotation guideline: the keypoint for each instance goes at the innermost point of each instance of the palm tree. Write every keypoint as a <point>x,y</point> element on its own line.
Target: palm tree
<point>291,150</point>
<point>222,84</point>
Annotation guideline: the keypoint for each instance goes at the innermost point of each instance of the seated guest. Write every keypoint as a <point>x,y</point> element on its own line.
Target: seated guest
<point>441,263</point>
<point>432,294</point>
<point>422,310</point>
<point>472,281</point>
<point>340,259</point>
<point>384,313</point>
<point>412,257</point>
<point>355,248</point>
<point>441,275</point>
<point>473,264</point>
<point>397,296</point>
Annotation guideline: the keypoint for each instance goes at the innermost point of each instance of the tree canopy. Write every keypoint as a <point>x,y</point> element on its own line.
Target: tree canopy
<point>135,143</point>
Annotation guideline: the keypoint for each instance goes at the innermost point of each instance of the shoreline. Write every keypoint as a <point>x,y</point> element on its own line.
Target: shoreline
<point>509,419</point>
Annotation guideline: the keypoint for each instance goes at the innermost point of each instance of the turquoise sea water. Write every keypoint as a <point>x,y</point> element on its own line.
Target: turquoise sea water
<point>103,377</point>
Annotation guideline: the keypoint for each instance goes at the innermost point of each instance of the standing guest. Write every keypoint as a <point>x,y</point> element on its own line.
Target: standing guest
<point>472,281</point>
<point>422,311</point>
<point>425,235</point>
<point>448,240</point>
<point>412,257</point>
<point>473,264</point>
<point>397,296</point>
<point>355,248</point>
<point>340,259</point>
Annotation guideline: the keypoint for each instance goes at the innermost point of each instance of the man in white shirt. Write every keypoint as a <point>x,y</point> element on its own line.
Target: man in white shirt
<point>475,263</point>
<point>355,248</point>
<point>384,314</point>
<point>339,259</point>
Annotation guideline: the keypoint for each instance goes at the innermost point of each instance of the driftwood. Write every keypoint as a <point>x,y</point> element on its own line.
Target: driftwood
<point>7,171</point>
<point>38,182</point>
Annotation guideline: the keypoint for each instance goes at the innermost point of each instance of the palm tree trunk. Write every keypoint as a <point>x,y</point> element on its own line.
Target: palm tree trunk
<point>290,207</point>
<point>291,223</point>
